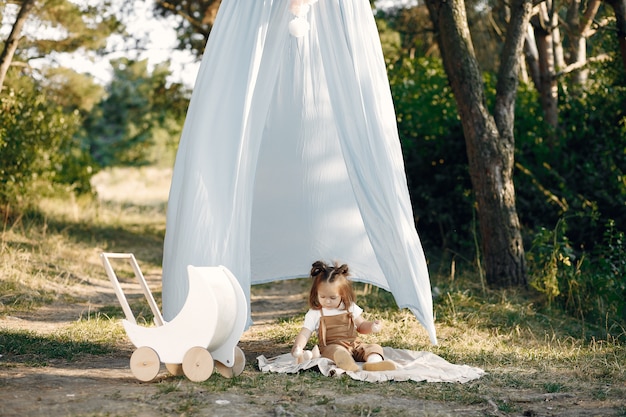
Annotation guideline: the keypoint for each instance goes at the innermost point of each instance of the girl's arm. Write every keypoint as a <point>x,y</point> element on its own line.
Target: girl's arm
<point>300,342</point>
<point>365,327</point>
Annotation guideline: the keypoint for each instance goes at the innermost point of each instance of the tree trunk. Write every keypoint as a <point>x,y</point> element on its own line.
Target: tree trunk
<point>10,46</point>
<point>579,29</point>
<point>532,56</point>
<point>489,140</point>
<point>548,87</point>
<point>619,7</point>
<point>549,45</point>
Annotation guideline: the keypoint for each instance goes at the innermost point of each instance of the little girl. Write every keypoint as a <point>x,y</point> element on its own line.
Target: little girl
<point>337,319</point>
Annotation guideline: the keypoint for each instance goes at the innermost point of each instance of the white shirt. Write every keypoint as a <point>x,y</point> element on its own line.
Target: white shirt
<point>312,317</point>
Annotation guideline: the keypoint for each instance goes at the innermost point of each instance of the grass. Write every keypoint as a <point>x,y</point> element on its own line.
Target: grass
<point>528,351</point>
<point>92,335</point>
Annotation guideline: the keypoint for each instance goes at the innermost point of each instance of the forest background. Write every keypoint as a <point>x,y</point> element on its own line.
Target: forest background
<point>59,127</point>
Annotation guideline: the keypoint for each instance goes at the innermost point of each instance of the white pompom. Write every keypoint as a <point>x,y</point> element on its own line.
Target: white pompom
<point>376,327</point>
<point>298,27</point>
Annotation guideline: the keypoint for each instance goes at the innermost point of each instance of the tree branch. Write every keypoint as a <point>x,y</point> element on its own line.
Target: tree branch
<point>578,65</point>
<point>587,20</point>
<point>169,6</point>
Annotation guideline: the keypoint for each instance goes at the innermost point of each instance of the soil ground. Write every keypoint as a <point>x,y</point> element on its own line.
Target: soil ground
<point>94,385</point>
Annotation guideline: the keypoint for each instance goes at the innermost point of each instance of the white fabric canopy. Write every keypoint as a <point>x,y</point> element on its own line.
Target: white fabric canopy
<point>290,153</point>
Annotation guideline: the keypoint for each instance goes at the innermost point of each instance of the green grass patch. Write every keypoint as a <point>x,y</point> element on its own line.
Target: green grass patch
<point>24,346</point>
<point>94,335</point>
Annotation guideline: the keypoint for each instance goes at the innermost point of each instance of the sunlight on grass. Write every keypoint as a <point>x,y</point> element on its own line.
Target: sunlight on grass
<point>45,253</point>
<point>141,186</point>
<point>96,328</point>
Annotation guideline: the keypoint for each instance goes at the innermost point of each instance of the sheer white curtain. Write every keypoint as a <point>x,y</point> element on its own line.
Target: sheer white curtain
<point>290,154</point>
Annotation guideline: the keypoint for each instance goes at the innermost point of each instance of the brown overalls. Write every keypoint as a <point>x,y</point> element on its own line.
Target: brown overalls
<point>337,332</point>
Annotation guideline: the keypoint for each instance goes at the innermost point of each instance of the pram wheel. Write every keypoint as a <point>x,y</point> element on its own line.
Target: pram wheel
<point>175,369</point>
<point>145,364</point>
<point>236,369</point>
<point>198,364</point>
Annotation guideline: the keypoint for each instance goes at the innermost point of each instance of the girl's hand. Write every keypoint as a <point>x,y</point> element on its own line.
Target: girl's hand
<point>296,351</point>
<point>300,341</point>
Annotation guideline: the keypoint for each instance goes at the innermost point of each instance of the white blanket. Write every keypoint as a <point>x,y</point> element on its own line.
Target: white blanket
<point>411,366</point>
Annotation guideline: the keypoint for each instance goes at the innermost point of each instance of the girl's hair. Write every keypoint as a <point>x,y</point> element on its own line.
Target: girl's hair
<point>320,272</point>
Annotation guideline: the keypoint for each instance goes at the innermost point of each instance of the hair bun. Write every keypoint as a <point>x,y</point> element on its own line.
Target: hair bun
<point>343,269</point>
<point>317,268</point>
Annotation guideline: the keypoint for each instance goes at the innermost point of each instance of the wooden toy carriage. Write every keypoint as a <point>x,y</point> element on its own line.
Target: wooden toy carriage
<point>201,338</point>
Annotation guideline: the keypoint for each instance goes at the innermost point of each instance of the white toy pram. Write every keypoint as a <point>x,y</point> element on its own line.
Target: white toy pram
<point>204,334</point>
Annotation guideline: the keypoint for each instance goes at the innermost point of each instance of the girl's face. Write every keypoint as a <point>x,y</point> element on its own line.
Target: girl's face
<point>328,294</point>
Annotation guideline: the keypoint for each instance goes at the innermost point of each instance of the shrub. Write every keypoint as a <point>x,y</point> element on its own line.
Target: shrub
<point>591,286</point>
<point>37,144</point>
